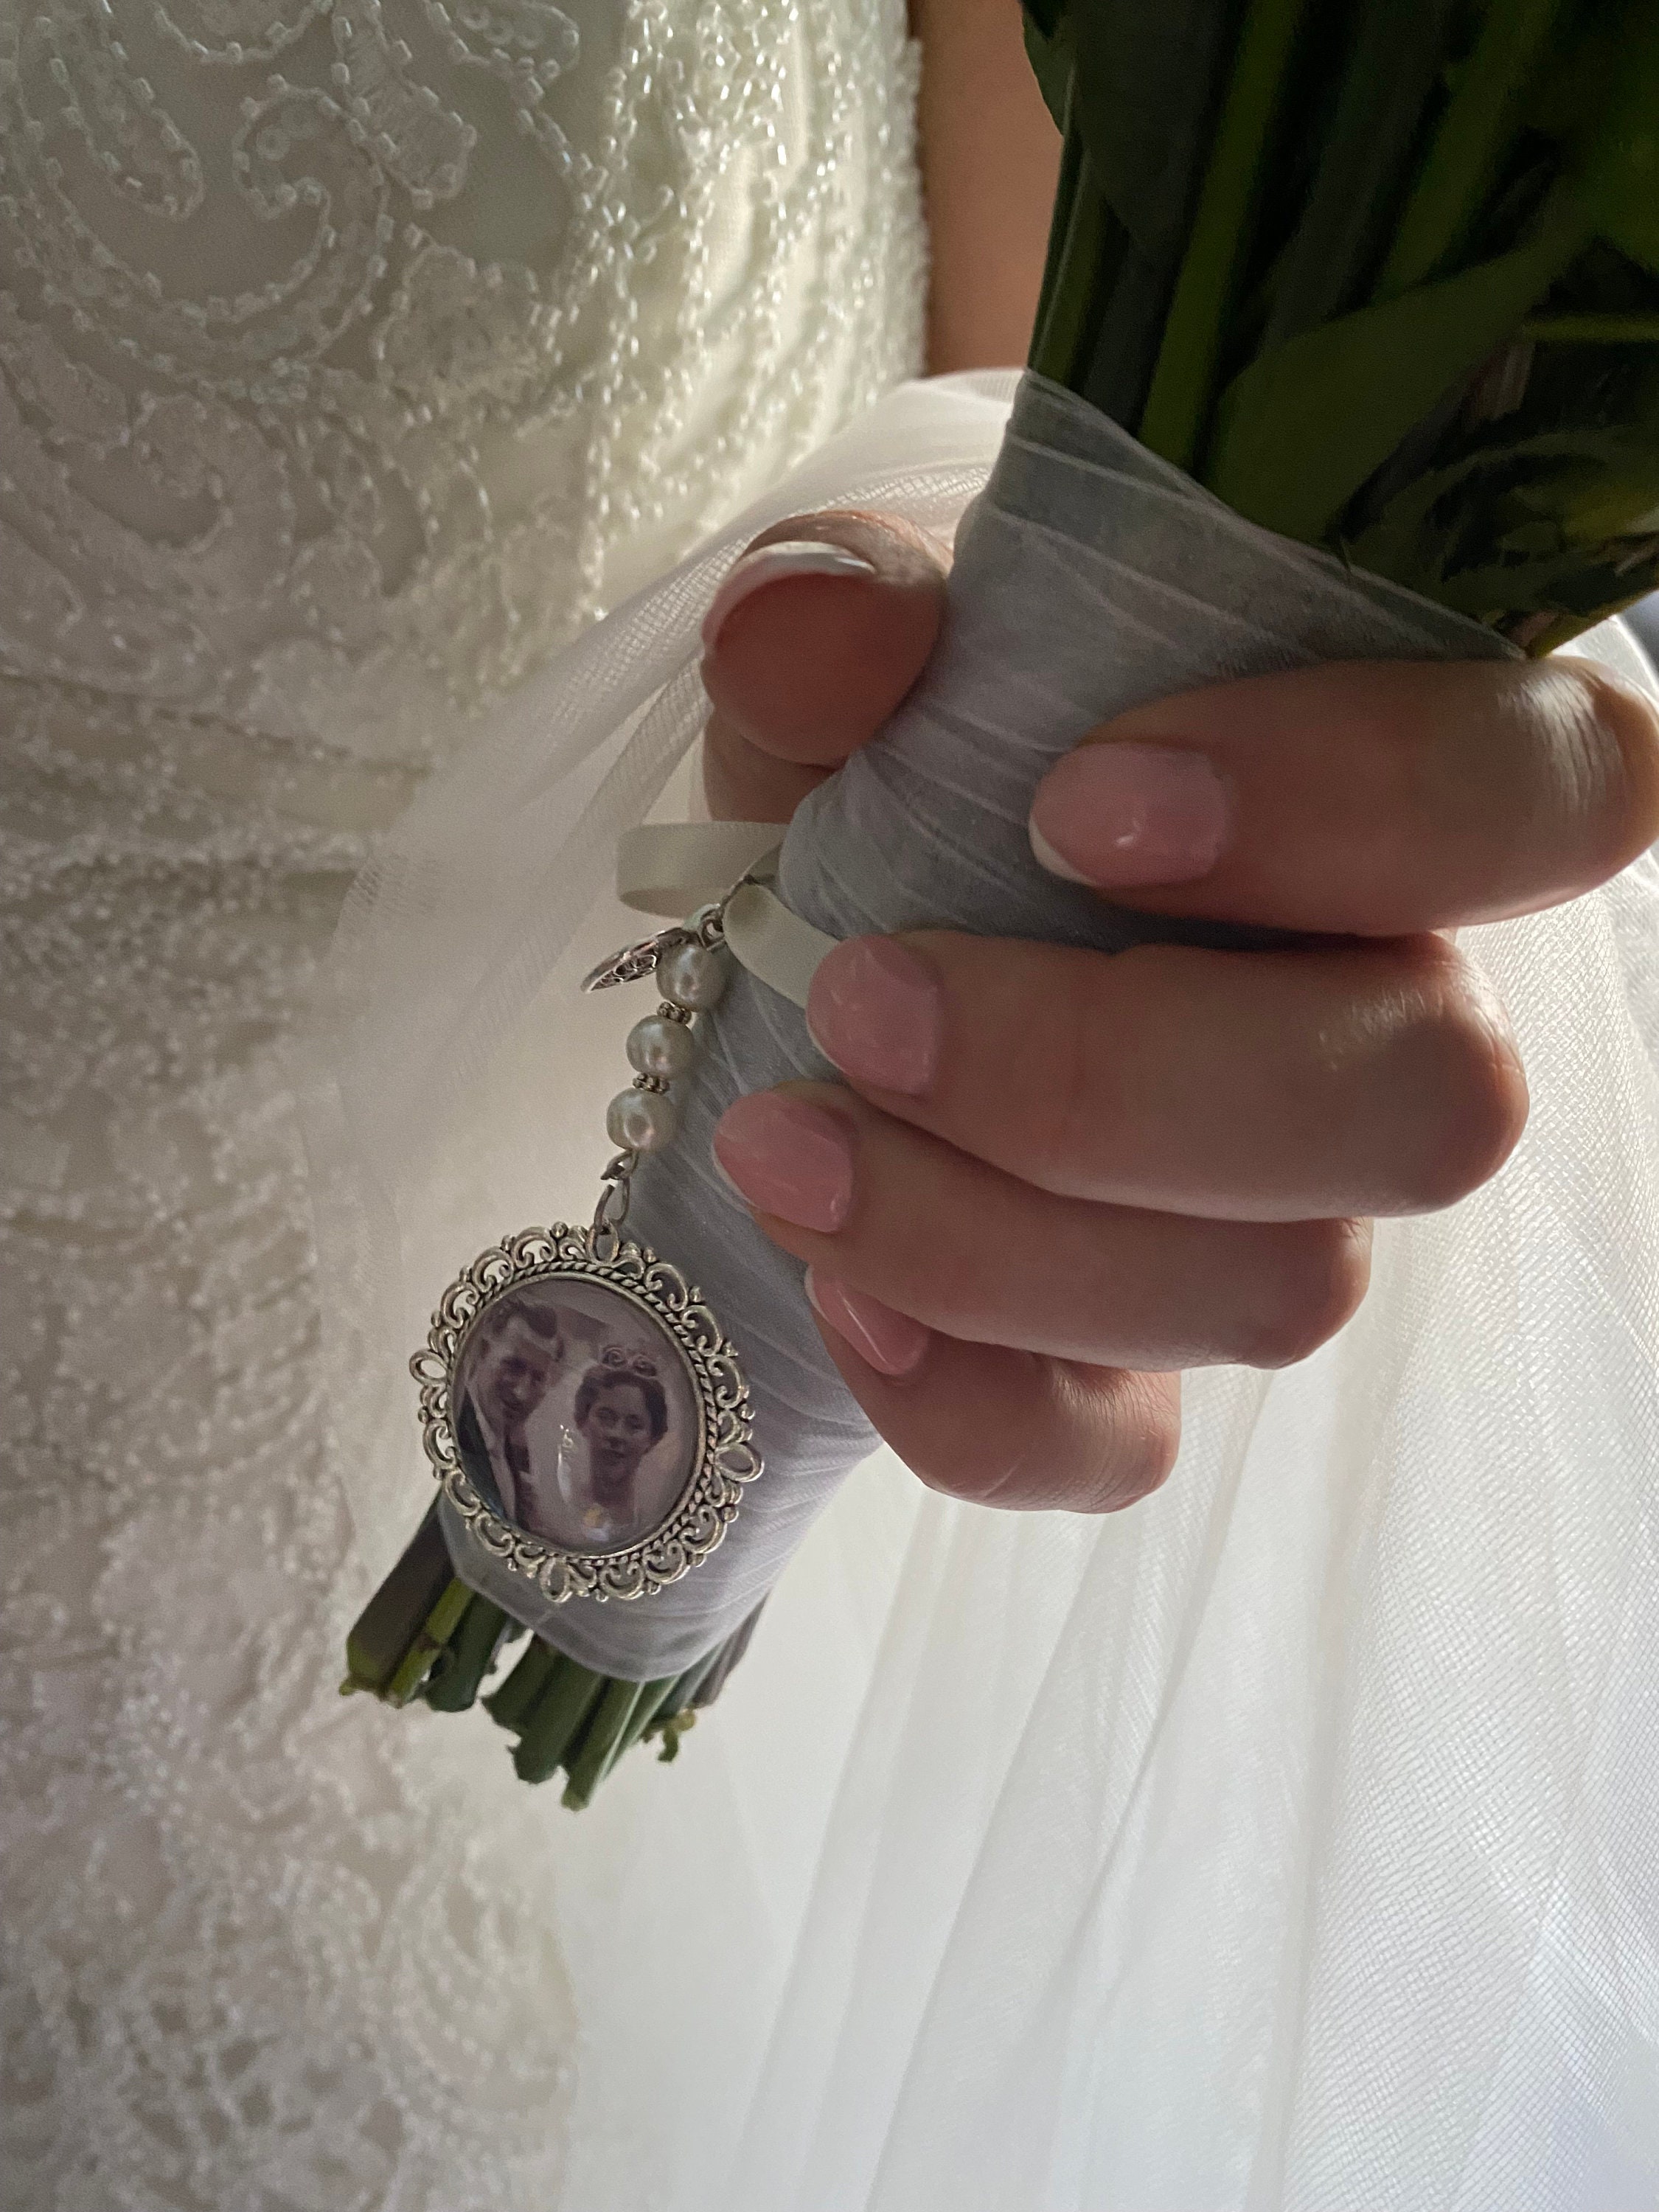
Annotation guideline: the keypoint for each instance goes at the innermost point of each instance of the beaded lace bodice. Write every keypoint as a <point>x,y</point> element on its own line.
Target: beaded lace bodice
<point>351,359</point>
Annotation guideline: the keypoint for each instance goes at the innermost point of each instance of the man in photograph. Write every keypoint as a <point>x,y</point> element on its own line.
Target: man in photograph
<point>520,1358</point>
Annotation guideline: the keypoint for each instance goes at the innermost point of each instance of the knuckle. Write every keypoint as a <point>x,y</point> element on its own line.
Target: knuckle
<point>1060,1437</point>
<point>973,1469</point>
<point>1127,1433</point>
<point>1322,1272</point>
<point>1149,1448</point>
<point>1465,1076</point>
<point>1612,739</point>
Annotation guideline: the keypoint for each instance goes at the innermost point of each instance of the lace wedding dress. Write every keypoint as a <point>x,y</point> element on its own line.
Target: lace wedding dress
<point>354,358</point>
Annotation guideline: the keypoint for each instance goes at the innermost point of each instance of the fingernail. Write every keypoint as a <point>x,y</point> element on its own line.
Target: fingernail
<point>876,1010</point>
<point>769,565</point>
<point>892,1343</point>
<point>1114,815</point>
<point>788,1157</point>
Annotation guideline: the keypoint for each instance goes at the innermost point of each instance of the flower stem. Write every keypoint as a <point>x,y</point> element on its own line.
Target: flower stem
<point>1475,129</point>
<point>653,1700</point>
<point>572,1692</point>
<point>510,1706</point>
<point>1176,414</point>
<point>452,1685</point>
<point>430,1639</point>
<point>601,1742</point>
<point>382,1634</point>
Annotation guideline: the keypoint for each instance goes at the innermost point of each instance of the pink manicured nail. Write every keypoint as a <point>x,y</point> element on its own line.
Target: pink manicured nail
<point>769,565</point>
<point>876,1010</point>
<point>1114,815</point>
<point>891,1342</point>
<point>788,1157</point>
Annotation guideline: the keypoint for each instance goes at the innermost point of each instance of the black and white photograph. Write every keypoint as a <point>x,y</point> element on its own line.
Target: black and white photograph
<point>575,1415</point>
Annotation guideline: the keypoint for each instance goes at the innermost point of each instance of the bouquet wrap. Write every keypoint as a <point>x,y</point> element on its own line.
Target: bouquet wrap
<point>1089,578</point>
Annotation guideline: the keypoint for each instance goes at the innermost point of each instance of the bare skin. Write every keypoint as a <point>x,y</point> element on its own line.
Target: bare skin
<point>990,156</point>
<point>1379,806</point>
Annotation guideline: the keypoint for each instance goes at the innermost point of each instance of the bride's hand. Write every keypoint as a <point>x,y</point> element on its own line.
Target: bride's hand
<point>1059,1176</point>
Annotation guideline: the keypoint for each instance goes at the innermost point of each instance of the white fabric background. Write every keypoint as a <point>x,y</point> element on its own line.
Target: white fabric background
<point>1285,1842</point>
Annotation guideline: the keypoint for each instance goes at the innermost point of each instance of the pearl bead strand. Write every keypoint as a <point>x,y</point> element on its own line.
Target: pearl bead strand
<point>691,977</point>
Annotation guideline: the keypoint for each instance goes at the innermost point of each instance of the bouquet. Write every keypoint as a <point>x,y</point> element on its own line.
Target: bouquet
<point>1348,346</point>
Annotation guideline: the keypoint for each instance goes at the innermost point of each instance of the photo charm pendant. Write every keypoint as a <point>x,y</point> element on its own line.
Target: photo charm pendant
<point>587,1417</point>
<point>585,1414</point>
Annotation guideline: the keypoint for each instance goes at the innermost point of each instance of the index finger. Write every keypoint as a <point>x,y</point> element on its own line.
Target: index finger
<point>1375,798</point>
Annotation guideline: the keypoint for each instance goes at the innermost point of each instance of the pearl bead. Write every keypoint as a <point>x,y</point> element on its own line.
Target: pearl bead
<point>691,976</point>
<point>661,1047</point>
<point>641,1120</point>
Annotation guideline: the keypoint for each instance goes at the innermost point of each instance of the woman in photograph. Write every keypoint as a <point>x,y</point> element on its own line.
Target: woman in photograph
<point>354,361</point>
<point>621,1413</point>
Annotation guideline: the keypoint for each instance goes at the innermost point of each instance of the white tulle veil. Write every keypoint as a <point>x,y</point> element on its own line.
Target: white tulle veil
<point>1285,1842</point>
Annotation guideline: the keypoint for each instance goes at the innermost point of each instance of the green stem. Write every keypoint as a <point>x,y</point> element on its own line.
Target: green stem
<point>453,1683</point>
<point>653,1704</point>
<point>601,1741</point>
<point>509,1707</point>
<point>1176,414</point>
<point>1476,126</point>
<point>572,1693</point>
<point>1070,305</point>
<point>1059,223</point>
<point>675,1712</point>
<point>433,1634</point>
<point>380,1637</point>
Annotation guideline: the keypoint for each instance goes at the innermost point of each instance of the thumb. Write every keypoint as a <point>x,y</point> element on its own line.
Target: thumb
<point>813,639</point>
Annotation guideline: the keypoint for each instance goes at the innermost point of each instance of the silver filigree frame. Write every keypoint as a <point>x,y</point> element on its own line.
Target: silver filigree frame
<point>725,1462</point>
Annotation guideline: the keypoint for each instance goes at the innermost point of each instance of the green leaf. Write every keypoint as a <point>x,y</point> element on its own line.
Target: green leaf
<point>1177,406</point>
<point>1087,240</point>
<point>1049,51</point>
<point>1593,330</point>
<point>1478,125</point>
<point>1302,428</point>
<point>1148,82</point>
<point>1393,66</point>
<point>1616,164</point>
<point>1512,529</point>
<point>1044,17</point>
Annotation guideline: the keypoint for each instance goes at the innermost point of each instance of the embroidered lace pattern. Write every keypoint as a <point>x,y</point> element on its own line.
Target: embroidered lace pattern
<point>352,357</point>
